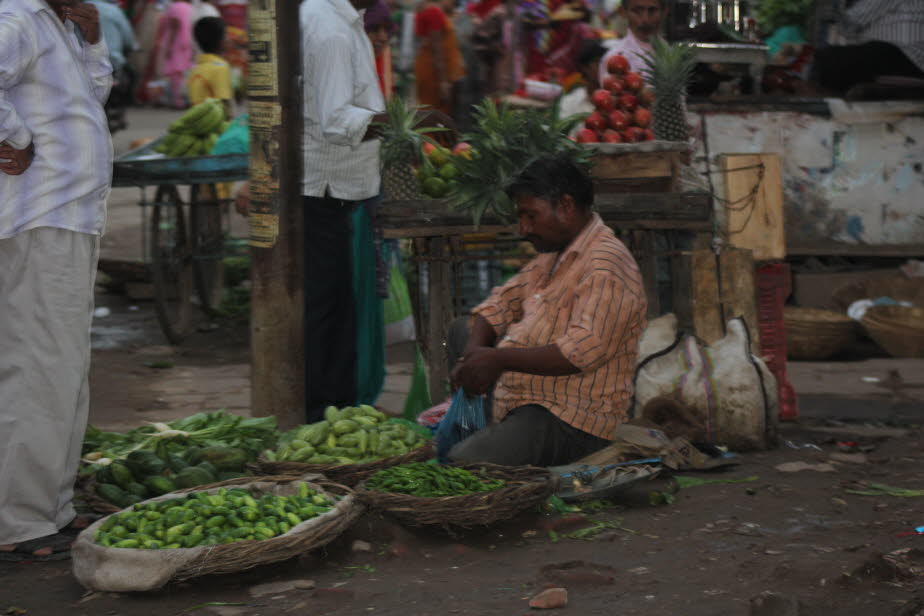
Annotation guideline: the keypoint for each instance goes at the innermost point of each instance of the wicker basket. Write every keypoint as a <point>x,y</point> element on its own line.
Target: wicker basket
<point>91,560</point>
<point>899,330</point>
<point>344,474</point>
<point>812,333</point>
<point>526,486</point>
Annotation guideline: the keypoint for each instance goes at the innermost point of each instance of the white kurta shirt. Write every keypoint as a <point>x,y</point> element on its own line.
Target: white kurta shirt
<point>341,95</point>
<point>52,86</point>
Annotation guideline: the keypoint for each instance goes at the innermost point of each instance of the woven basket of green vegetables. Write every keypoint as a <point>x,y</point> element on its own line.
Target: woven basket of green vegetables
<point>349,445</point>
<point>222,528</point>
<point>424,493</point>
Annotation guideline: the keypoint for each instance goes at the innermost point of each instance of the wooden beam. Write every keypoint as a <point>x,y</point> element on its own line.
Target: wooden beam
<point>737,288</point>
<point>433,217</point>
<point>277,306</point>
<point>695,293</point>
<point>439,280</point>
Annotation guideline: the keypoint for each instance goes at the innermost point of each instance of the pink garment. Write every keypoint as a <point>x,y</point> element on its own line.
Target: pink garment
<point>631,48</point>
<point>181,56</point>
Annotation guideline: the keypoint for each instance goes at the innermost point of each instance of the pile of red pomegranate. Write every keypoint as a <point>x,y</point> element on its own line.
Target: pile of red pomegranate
<point>623,107</point>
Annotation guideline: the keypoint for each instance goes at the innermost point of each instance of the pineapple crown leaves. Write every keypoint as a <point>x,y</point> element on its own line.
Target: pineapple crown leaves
<point>505,142</point>
<point>402,133</point>
<point>669,67</point>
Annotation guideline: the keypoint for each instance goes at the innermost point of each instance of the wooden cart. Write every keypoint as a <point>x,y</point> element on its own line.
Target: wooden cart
<point>636,192</point>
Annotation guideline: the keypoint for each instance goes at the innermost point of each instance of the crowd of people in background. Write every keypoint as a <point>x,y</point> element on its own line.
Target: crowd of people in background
<point>450,55</point>
<point>153,50</point>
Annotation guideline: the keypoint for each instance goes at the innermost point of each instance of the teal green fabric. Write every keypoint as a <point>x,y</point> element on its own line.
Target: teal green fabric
<point>786,34</point>
<point>370,315</point>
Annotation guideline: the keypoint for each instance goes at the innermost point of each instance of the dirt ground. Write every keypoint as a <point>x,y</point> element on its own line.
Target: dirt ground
<point>777,543</point>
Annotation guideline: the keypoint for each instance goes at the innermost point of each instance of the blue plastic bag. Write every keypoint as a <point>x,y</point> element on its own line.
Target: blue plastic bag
<point>464,417</point>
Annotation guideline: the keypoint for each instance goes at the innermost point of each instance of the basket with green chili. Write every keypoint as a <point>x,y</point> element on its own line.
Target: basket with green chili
<point>422,493</point>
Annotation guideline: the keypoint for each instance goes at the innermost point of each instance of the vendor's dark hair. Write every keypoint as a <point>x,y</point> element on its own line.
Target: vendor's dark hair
<point>209,32</point>
<point>591,50</point>
<point>553,177</point>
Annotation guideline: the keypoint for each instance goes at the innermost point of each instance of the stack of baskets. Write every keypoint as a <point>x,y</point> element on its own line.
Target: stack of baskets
<point>899,330</point>
<point>813,334</point>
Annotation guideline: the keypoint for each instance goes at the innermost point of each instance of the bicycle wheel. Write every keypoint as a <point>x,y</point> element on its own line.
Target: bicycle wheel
<point>171,261</point>
<point>207,245</point>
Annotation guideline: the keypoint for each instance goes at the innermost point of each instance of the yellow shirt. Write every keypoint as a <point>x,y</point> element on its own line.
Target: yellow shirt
<point>210,78</point>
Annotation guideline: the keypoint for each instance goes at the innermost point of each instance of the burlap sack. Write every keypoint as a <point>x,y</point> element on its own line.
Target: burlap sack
<point>102,568</point>
<point>729,389</point>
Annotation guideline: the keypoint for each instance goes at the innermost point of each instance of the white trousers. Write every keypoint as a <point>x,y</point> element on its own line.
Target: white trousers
<point>46,306</point>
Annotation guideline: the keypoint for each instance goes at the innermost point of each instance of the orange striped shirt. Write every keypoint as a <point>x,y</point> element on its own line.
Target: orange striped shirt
<point>592,306</point>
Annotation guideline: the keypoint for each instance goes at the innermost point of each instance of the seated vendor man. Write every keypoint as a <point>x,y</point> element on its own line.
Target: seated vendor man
<point>557,343</point>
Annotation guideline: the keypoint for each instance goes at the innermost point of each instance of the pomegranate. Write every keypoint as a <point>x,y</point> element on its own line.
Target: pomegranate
<point>602,100</point>
<point>649,135</point>
<point>614,84</point>
<point>617,65</point>
<point>646,97</point>
<point>585,135</point>
<point>634,134</point>
<point>618,120</point>
<point>595,121</point>
<point>611,136</point>
<point>641,117</point>
<point>628,102</point>
<point>634,81</point>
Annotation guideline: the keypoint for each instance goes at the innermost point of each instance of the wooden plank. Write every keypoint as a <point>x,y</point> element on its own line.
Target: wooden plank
<point>658,184</point>
<point>439,317</point>
<point>754,207</point>
<point>631,165</point>
<point>695,288</point>
<point>844,249</point>
<point>679,225</point>
<point>617,209</point>
<point>737,290</point>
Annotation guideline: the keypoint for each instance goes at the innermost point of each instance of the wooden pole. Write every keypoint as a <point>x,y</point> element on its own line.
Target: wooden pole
<point>277,303</point>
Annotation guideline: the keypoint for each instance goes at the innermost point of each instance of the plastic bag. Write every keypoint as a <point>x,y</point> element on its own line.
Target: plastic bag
<point>464,417</point>
<point>399,314</point>
<point>235,140</point>
<point>418,398</point>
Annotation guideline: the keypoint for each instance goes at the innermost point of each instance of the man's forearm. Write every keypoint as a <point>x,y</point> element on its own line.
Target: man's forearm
<point>482,334</point>
<point>542,361</point>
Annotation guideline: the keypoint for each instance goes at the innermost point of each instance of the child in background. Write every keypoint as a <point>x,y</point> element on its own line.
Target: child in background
<point>211,76</point>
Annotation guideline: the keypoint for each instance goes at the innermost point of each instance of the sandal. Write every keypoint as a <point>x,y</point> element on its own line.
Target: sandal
<point>24,551</point>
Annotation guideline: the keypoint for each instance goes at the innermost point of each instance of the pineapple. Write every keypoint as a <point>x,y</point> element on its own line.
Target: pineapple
<point>402,139</point>
<point>504,142</point>
<point>669,70</point>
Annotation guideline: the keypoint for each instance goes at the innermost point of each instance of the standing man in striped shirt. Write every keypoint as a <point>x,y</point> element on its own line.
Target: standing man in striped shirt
<point>342,103</point>
<point>557,343</point>
<point>56,164</point>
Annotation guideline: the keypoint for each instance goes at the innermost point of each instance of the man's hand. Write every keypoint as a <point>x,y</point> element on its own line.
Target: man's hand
<point>86,17</point>
<point>19,160</point>
<point>242,200</point>
<point>477,371</point>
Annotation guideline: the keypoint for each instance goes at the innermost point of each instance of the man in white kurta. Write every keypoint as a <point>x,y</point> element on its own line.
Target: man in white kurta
<point>56,164</point>
<point>644,19</point>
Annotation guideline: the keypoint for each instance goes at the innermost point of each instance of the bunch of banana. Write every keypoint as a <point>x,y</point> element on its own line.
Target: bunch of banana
<point>196,132</point>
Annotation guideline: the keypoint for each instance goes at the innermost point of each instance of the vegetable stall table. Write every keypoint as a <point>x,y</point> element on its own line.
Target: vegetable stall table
<point>184,242</point>
<point>637,191</point>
